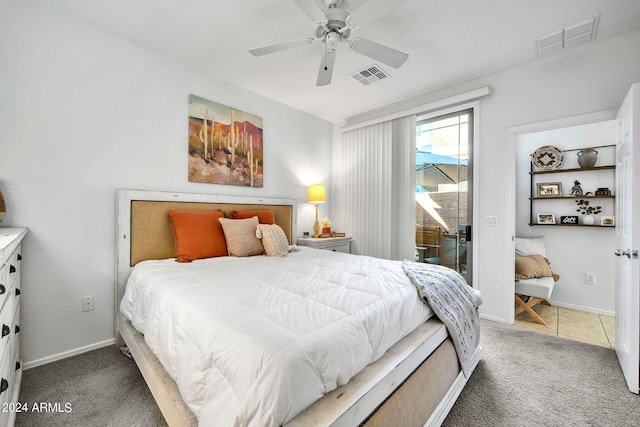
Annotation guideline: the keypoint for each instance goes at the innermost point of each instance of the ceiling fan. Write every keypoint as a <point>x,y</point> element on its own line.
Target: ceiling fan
<point>333,25</point>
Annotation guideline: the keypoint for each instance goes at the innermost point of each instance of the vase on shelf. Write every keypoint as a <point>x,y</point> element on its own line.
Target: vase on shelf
<point>588,219</point>
<point>587,157</point>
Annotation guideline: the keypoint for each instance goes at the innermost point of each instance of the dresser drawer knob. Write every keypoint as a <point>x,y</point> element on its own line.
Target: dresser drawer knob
<point>12,269</point>
<point>19,257</point>
<point>2,289</point>
<point>17,291</point>
<point>17,328</point>
<point>18,366</point>
<point>5,330</point>
<point>4,385</point>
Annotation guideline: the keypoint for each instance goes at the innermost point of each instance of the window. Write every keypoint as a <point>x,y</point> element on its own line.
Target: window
<point>443,189</point>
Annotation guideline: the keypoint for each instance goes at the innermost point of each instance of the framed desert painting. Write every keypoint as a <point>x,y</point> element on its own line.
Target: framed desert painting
<point>225,144</point>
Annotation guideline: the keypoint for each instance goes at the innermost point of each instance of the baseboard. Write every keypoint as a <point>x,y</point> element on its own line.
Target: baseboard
<point>66,354</point>
<point>492,318</point>
<point>581,308</point>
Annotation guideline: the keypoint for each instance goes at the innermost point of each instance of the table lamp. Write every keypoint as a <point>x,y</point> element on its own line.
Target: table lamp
<point>317,195</point>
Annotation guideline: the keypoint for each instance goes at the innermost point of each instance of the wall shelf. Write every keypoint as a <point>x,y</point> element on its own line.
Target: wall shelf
<point>533,173</point>
<point>595,168</point>
<point>572,225</point>
<point>571,197</point>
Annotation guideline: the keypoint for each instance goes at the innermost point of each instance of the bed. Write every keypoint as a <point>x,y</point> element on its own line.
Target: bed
<point>412,382</point>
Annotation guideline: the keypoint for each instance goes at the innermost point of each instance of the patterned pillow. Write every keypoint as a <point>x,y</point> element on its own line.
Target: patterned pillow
<point>273,239</point>
<point>240,235</point>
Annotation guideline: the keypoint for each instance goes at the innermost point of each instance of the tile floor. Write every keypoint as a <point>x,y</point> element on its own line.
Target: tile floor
<point>592,328</point>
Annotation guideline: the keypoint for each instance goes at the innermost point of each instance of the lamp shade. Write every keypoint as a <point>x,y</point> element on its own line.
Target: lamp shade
<point>317,193</point>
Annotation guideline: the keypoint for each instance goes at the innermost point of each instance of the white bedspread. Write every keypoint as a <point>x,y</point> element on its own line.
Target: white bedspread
<point>254,341</point>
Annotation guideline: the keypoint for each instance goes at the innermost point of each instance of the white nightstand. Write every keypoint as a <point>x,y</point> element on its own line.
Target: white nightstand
<point>336,244</point>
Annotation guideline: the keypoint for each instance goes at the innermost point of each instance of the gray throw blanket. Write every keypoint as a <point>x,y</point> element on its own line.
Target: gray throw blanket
<point>454,302</point>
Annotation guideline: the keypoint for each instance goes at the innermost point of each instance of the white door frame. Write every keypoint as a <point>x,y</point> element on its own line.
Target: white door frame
<point>512,134</point>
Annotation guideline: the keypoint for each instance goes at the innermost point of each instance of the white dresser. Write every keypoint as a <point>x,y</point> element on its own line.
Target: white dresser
<point>336,244</point>
<point>10,362</point>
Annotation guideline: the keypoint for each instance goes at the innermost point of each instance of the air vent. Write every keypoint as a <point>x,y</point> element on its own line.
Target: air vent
<point>370,75</point>
<point>570,36</point>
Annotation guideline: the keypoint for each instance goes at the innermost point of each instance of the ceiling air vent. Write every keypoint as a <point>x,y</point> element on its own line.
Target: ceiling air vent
<point>575,34</point>
<point>370,75</point>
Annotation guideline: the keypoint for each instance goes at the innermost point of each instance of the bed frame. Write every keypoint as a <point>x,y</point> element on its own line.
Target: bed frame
<point>416,382</point>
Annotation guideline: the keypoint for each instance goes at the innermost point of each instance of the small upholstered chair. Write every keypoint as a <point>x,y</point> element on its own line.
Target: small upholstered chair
<point>428,242</point>
<point>529,292</point>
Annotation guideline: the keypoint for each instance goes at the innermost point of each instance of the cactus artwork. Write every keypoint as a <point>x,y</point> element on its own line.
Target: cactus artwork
<point>203,134</point>
<point>225,145</point>
<point>253,167</point>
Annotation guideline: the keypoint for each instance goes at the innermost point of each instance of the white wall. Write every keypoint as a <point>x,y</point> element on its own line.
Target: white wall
<point>82,114</point>
<point>588,78</point>
<point>573,251</point>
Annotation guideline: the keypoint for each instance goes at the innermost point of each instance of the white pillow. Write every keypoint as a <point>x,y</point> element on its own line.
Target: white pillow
<point>530,246</point>
<point>240,235</point>
<point>273,239</point>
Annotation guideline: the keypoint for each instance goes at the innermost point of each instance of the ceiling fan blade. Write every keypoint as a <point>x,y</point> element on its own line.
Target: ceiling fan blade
<point>371,10</point>
<point>326,69</point>
<point>379,52</point>
<point>259,51</point>
<point>311,9</point>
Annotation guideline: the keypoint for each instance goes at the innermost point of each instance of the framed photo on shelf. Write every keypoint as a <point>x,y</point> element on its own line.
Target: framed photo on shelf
<point>549,189</point>
<point>569,219</point>
<point>607,221</point>
<point>546,218</point>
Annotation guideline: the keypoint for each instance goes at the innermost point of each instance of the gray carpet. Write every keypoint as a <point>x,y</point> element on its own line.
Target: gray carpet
<point>103,387</point>
<point>525,379</point>
<point>530,379</point>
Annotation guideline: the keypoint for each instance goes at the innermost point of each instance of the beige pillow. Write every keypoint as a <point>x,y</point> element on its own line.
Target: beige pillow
<point>273,239</point>
<point>532,266</point>
<point>240,235</point>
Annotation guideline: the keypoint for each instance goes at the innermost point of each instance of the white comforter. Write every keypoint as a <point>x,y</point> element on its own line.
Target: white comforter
<point>254,341</point>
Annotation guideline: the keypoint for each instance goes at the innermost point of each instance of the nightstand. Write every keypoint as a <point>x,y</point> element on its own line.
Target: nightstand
<point>336,244</point>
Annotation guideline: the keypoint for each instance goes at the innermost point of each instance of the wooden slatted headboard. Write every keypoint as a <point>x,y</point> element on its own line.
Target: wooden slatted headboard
<point>143,230</point>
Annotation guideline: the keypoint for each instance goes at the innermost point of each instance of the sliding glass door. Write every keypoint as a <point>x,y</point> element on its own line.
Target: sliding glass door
<point>443,190</point>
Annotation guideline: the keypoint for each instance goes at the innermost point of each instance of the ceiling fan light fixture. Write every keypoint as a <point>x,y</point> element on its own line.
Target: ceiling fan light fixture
<point>332,40</point>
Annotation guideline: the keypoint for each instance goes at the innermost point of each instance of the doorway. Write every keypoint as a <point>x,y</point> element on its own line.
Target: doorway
<point>444,149</point>
<point>580,310</point>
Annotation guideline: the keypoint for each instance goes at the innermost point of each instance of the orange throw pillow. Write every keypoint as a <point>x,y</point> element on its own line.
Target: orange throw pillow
<point>197,235</point>
<point>265,216</point>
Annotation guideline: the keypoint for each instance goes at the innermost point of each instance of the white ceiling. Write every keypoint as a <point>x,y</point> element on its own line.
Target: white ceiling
<point>448,41</point>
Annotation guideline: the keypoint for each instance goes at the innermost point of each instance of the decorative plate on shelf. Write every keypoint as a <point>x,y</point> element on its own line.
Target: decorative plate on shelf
<point>548,158</point>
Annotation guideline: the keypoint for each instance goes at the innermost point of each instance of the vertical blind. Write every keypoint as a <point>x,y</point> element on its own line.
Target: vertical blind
<point>374,187</point>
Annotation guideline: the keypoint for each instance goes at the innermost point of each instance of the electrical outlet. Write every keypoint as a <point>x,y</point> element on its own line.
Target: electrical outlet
<point>590,278</point>
<point>87,303</point>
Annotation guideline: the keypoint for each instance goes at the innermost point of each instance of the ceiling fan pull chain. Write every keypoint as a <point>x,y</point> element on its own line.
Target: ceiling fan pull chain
<point>326,52</point>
